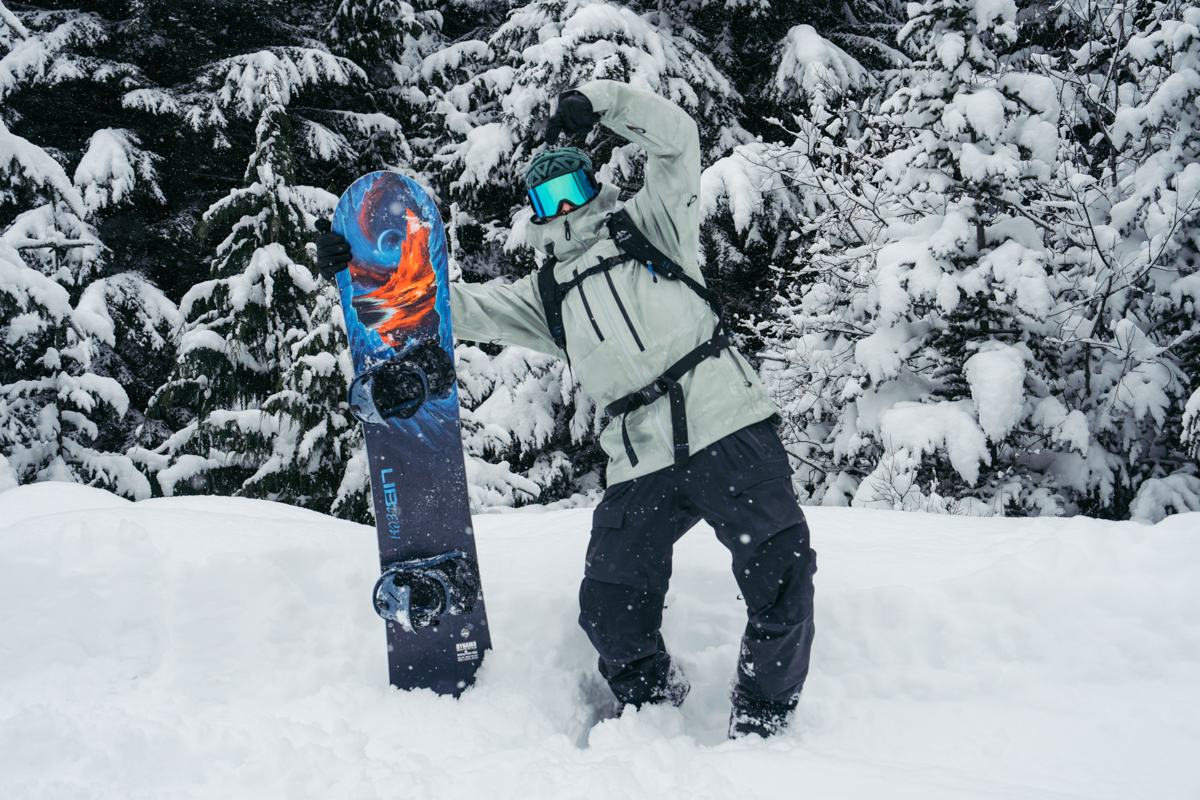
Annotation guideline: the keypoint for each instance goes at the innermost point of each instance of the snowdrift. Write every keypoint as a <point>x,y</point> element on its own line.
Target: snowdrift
<point>225,648</point>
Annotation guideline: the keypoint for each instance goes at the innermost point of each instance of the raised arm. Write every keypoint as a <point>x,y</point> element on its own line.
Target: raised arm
<point>667,208</point>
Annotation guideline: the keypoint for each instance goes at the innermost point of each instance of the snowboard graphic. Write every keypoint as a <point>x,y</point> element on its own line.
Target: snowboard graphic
<point>396,303</point>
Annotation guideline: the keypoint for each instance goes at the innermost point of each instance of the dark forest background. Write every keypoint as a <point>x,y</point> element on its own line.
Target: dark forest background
<point>957,238</point>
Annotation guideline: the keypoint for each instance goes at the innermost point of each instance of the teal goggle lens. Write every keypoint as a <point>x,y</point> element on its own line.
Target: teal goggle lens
<point>574,188</point>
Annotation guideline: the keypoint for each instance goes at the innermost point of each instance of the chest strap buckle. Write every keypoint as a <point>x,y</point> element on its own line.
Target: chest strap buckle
<point>668,384</point>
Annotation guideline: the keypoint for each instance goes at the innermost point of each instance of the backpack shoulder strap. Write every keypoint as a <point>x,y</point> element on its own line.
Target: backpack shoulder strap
<point>552,302</point>
<point>633,242</point>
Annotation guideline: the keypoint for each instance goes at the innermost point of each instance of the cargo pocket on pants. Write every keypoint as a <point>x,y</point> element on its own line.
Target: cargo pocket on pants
<point>624,549</point>
<point>761,503</point>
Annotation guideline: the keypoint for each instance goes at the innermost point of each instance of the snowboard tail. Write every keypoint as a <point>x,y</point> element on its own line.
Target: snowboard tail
<point>396,303</point>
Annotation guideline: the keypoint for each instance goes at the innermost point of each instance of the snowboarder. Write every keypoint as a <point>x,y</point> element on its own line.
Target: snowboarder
<point>622,298</point>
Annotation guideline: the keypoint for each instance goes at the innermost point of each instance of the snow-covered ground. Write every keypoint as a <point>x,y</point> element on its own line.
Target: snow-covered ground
<point>224,648</point>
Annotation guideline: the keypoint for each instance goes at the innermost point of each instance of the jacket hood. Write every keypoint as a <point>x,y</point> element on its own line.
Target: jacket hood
<point>569,235</point>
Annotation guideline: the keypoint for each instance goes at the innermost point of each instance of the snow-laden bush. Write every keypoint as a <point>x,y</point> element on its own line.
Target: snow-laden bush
<point>988,313</point>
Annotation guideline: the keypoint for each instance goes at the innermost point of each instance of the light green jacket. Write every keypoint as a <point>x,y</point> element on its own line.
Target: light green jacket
<point>615,352</point>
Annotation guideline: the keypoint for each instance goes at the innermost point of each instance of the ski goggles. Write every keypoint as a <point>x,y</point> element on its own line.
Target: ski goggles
<point>575,188</point>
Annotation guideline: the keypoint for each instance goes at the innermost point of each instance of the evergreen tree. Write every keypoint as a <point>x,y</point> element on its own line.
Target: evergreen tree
<point>758,200</point>
<point>54,407</point>
<point>1127,241</point>
<point>257,385</point>
<point>917,325</point>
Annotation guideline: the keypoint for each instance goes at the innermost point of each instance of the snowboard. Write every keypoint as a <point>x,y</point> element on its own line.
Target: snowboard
<point>396,302</point>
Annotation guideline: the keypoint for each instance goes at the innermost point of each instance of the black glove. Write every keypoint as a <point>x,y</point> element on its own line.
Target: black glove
<point>333,251</point>
<point>574,115</point>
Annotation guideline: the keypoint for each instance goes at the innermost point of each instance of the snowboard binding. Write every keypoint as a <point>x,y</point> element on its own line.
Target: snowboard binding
<point>399,386</point>
<point>417,593</point>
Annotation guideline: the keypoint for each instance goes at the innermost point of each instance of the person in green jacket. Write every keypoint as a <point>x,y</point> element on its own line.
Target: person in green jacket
<point>692,435</point>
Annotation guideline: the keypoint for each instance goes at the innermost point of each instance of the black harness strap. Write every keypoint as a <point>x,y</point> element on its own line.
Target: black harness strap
<point>602,266</point>
<point>633,242</point>
<point>634,245</point>
<point>552,302</point>
<point>668,384</point>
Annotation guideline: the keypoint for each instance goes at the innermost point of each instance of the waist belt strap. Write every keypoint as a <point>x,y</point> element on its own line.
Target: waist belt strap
<point>668,384</point>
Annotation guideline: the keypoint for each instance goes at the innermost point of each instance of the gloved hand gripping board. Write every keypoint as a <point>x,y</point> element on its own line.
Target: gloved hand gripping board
<point>396,302</point>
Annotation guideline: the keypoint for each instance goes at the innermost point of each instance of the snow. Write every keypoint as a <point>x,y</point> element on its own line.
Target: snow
<point>43,231</point>
<point>154,101</point>
<point>36,166</point>
<point>1063,426</point>
<point>1191,417</point>
<point>226,648</point>
<point>1177,90</point>
<point>93,314</point>
<point>950,50</point>
<point>109,170</point>
<point>743,181</point>
<point>582,40</point>
<point>1001,11</point>
<point>8,477</point>
<point>250,82</point>
<point>323,143</point>
<point>482,152</point>
<point>1157,497</point>
<point>984,110</point>
<point>14,24</point>
<point>812,66</point>
<point>923,428</point>
<point>996,375</point>
<point>25,285</point>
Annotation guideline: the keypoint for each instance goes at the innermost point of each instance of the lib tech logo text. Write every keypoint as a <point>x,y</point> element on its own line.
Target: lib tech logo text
<point>390,506</point>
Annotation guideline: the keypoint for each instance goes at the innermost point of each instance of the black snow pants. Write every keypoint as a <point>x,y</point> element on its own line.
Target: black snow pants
<point>741,486</point>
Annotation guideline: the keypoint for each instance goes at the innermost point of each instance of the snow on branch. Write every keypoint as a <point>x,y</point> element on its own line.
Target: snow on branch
<point>14,24</point>
<point>111,168</point>
<point>812,67</point>
<point>39,57</point>
<point>583,40</point>
<point>55,238</point>
<point>323,143</point>
<point>153,100</point>
<point>746,179</point>
<point>153,310</point>
<point>21,161</point>
<point>28,287</point>
<point>247,83</point>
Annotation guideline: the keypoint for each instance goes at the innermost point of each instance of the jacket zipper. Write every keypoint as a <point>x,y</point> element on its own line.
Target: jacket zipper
<point>588,309</point>
<point>613,288</point>
<point>640,372</point>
